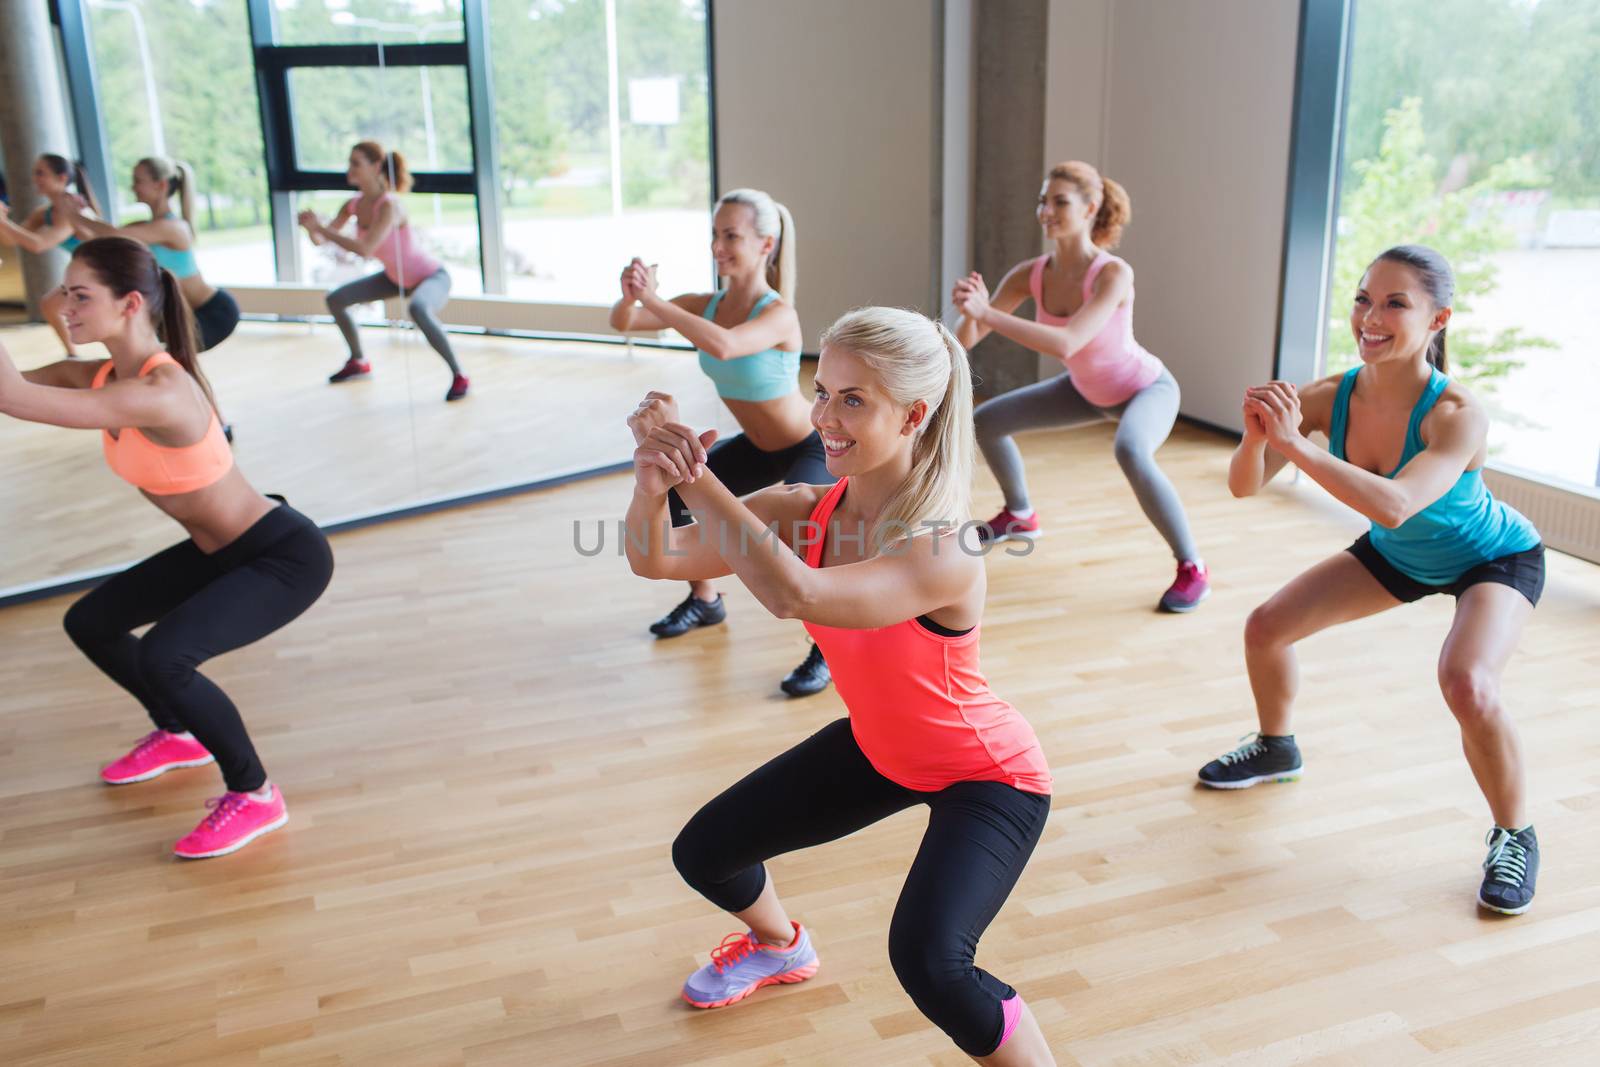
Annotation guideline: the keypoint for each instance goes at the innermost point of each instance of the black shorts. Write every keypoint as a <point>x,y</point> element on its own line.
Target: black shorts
<point>1522,571</point>
<point>744,468</point>
<point>215,320</point>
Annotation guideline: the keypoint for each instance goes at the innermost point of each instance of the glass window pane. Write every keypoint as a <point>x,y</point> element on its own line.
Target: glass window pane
<point>1479,135</point>
<point>445,226</point>
<point>574,211</point>
<point>175,78</point>
<point>422,111</point>
<point>367,21</point>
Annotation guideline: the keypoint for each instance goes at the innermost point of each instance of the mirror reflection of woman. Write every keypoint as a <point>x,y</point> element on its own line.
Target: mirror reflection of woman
<point>249,563</point>
<point>749,340</point>
<point>156,180</point>
<point>383,232</point>
<point>65,187</point>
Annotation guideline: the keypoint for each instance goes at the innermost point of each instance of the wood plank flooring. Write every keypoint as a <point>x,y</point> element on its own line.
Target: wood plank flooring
<point>486,757</point>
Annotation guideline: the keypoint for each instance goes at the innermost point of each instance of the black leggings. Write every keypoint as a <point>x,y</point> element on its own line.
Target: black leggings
<point>744,468</point>
<point>979,837</point>
<point>216,319</point>
<point>202,606</point>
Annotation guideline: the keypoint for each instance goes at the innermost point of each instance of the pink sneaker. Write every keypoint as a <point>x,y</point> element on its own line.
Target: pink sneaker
<point>156,753</point>
<point>234,822</point>
<point>1006,527</point>
<point>1192,585</point>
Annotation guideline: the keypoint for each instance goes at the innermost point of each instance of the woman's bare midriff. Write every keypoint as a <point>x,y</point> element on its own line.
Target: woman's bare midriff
<point>773,425</point>
<point>217,515</point>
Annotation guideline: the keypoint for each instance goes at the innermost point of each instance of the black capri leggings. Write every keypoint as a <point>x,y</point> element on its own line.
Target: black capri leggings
<point>979,837</point>
<point>202,606</point>
<point>216,319</point>
<point>744,468</point>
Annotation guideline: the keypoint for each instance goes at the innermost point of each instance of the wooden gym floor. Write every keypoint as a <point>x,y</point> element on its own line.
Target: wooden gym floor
<point>486,757</point>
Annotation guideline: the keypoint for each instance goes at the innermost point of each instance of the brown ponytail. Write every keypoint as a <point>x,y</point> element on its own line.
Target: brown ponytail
<point>125,266</point>
<point>1115,210</point>
<point>395,172</point>
<point>77,177</point>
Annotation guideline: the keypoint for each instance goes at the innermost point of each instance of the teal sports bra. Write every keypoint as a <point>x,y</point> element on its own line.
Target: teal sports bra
<point>180,261</point>
<point>1463,528</point>
<point>72,239</point>
<point>758,376</point>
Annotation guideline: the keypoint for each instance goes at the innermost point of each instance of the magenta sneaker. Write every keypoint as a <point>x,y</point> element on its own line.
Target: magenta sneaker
<point>234,822</point>
<point>1192,585</point>
<point>1007,527</point>
<point>742,964</point>
<point>156,753</point>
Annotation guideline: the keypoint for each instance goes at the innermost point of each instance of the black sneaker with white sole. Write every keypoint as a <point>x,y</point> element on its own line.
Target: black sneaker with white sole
<point>812,676</point>
<point>686,616</point>
<point>1510,871</point>
<point>1260,759</point>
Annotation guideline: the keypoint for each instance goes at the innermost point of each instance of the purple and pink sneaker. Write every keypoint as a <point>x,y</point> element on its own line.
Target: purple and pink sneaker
<point>156,753</point>
<point>743,964</point>
<point>1192,585</point>
<point>236,819</point>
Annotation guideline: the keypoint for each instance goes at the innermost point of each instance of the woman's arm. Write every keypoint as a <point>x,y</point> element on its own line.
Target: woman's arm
<point>775,325</point>
<point>65,373</point>
<point>1110,288</point>
<point>168,232</point>
<point>1255,462</point>
<point>147,402</point>
<point>34,235</point>
<point>1012,292</point>
<point>385,217</point>
<point>1457,433</point>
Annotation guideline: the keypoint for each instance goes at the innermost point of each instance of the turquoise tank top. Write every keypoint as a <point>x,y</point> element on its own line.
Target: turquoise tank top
<point>72,239</point>
<point>180,261</point>
<point>759,376</point>
<point>1463,528</point>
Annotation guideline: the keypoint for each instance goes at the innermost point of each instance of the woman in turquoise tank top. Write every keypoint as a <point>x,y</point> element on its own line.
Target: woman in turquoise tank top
<point>155,181</point>
<point>1406,450</point>
<point>49,226</point>
<point>749,340</point>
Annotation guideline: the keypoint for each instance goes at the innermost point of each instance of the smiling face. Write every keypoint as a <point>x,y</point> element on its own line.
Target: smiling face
<point>93,311</point>
<point>1063,213</point>
<point>362,172</point>
<point>862,426</point>
<point>735,245</point>
<point>1393,317</point>
<point>147,188</point>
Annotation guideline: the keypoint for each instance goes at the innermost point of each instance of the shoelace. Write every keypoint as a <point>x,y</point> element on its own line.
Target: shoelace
<point>224,808</point>
<point>1252,747</point>
<point>684,610</point>
<point>734,948</point>
<point>1507,861</point>
<point>148,741</point>
<point>813,658</point>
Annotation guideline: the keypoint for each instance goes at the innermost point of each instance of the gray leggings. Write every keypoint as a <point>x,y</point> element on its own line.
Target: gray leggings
<point>1143,423</point>
<point>427,297</point>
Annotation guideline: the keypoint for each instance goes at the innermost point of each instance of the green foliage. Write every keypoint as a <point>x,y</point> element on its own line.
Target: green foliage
<point>1397,201</point>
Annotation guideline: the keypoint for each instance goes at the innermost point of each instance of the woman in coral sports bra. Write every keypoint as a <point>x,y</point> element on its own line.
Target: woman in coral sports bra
<point>249,565</point>
<point>1083,316</point>
<point>877,569</point>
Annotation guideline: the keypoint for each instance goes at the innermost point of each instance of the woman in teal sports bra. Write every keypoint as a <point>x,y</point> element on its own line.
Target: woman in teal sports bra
<point>65,186</point>
<point>749,342</point>
<point>171,239</point>
<point>1406,448</point>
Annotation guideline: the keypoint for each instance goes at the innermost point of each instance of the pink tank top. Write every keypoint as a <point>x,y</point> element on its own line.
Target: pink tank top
<point>1112,366</point>
<point>403,261</point>
<point>919,705</point>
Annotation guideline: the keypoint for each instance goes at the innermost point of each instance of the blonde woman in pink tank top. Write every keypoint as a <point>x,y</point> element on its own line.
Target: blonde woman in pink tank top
<point>1083,316</point>
<point>384,233</point>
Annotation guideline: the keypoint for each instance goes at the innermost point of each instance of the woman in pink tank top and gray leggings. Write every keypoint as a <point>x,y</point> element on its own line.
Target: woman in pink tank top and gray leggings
<point>384,233</point>
<point>1083,316</point>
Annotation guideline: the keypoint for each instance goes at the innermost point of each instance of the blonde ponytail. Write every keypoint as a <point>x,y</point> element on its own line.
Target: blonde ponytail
<point>177,177</point>
<point>772,220</point>
<point>916,358</point>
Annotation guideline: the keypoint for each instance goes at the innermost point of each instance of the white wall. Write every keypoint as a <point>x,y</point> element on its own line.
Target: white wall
<point>1189,106</point>
<point>829,105</point>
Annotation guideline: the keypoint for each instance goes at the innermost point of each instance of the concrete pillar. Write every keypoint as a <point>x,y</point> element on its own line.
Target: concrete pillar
<point>33,120</point>
<point>1010,110</point>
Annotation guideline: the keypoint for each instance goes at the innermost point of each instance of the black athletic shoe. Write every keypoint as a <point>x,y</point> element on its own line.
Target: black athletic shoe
<point>689,614</point>
<point>1510,871</point>
<point>810,677</point>
<point>1259,759</point>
